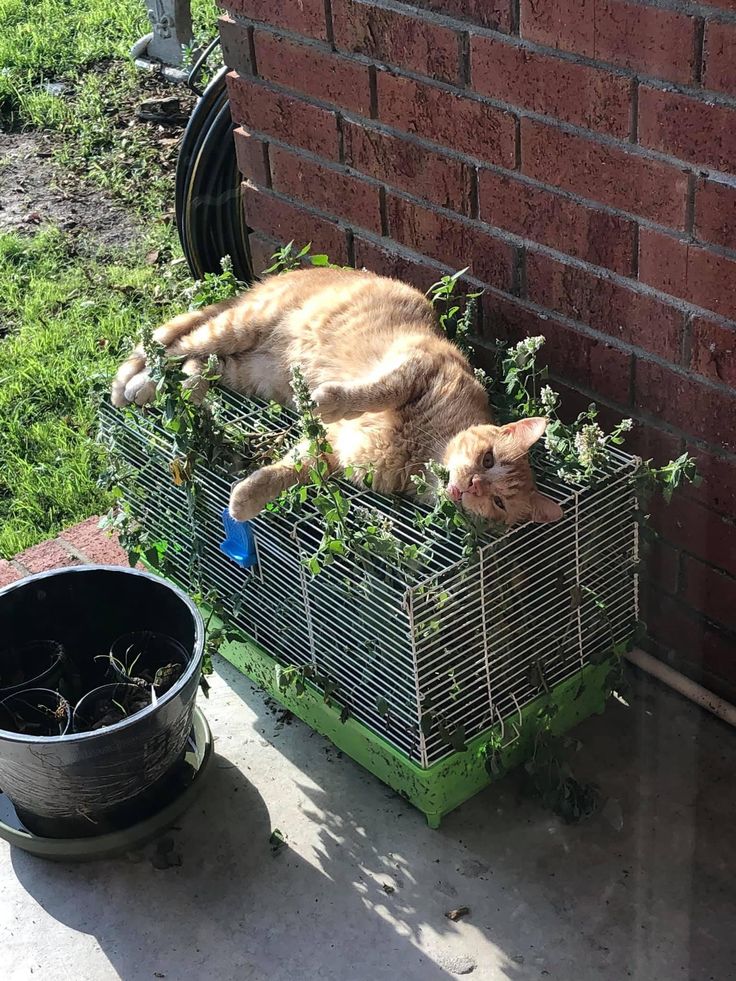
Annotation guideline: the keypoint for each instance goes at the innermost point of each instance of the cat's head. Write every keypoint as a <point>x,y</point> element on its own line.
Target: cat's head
<point>490,474</point>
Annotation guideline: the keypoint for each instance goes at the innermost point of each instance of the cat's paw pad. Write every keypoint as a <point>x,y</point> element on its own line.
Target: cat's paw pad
<point>330,399</point>
<point>247,500</point>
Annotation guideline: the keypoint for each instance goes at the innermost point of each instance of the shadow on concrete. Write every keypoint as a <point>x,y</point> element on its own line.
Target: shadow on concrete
<point>643,890</point>
<point>364,889</point>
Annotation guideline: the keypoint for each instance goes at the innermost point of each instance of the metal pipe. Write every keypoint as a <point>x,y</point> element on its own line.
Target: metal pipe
<point>684,685</point>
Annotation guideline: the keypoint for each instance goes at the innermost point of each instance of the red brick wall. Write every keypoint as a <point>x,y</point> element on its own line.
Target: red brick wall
<point>580,156</point>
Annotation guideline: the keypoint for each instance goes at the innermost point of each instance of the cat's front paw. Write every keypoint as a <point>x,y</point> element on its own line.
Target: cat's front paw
<point>248,499</point>
<point>141,389</point>
<point>332,402</point>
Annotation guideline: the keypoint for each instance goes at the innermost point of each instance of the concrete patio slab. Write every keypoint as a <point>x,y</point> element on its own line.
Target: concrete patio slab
<point>362,889</point>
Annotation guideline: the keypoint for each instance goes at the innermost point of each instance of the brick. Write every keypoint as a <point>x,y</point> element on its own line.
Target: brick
<point>235,40</point>
<point>696,530</point>
<point>451,242</point>
<point>448,118</point>
<point>302,16</point>
<point>286,222</point>
<point>715,213</point>
<point>706,650</point>
<point>713,350</point>
<point>545,84</point>
<point>688,271</point>
<point>710,591</point>
<point>612,176</point>
<point>660,565</point>
<point>688,128</point>
<point>566,24</point>
<point>605,305</point>
<point>495,14</point>
<point>46,556</point>
<point>252,156</point>
<point>283,117</point>
<point>543,216</point>
<point>8,573</point>
<point>647,39</point>
<point>717,489</point>
<point>261,249</point>
<point>329,190</point>
<point>441,180</point>
<point>313,72</point>
<point>650,443</point>
<point>683,401</point>
<point>384,261</point>
<point>576,358</point>
<point>397,39</point>
<point>719,64</point>
<point>94,544</point>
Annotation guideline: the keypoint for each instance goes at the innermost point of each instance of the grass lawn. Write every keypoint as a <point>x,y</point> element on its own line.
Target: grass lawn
<point>68,309</point>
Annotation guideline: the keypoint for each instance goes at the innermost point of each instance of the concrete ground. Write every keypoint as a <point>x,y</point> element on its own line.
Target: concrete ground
<point>361,891</point>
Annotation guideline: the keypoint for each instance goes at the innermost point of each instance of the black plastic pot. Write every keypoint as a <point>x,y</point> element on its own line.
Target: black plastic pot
<point>140,653</point>
<point>129,698</point>
<point>36,711</point>
<point>38,662</point>
<point>89,783</point>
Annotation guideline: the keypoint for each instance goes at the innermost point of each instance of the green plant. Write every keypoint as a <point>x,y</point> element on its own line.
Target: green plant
<point>288,258</point>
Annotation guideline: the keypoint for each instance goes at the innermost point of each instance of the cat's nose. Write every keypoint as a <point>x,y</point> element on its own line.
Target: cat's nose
<point>476,486</point>
<point>454,493</point>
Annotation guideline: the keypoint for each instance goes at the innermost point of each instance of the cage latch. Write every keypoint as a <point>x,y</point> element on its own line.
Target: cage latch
<point>239,543</point>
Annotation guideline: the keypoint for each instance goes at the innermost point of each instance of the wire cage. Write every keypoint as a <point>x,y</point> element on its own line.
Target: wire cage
<point>427,659</point>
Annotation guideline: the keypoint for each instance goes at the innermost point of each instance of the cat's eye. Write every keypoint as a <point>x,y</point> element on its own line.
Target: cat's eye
<point>499,503</point>
<point>488,460</point>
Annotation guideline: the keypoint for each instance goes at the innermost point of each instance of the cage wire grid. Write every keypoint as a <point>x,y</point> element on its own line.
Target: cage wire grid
<point>460,644</point>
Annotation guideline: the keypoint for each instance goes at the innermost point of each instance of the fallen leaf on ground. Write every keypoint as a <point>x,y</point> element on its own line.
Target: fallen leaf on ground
<point>456,914</point>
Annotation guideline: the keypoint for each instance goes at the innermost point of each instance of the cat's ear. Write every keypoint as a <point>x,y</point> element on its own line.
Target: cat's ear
<point>544,509</point>
<point>526,432</point>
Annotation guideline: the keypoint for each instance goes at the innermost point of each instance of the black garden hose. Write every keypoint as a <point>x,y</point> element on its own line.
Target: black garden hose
<point>209,211</point>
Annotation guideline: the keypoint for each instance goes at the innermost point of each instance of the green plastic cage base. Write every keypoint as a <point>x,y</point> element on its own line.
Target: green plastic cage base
<point>445,785</point>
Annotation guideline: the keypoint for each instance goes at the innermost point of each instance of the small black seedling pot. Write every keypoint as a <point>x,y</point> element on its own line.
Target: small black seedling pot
<point>108,705</point>
<point>33,664</point>
<point>36,712</point>
<point>147,657</point>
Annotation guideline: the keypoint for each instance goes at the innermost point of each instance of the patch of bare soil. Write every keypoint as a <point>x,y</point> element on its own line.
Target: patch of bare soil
<point>31,197</point>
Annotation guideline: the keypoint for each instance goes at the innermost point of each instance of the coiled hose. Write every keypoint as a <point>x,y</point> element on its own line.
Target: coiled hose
<point>209,210</point>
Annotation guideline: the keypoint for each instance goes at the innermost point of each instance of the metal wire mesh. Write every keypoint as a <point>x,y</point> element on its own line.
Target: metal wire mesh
<point>460,642</point>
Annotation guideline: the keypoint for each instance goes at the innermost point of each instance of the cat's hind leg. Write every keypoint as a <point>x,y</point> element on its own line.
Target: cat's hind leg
<point>220,329</point>
<point>389,388</point>
<point>132,383</point>
<point>249,497</point>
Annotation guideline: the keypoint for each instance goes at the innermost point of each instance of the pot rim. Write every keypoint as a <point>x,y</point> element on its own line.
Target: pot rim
<point>173,692</point>
<point>32,682</point>
<point>29,691</point>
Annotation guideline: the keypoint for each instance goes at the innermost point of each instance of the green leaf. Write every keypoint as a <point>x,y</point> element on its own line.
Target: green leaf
<point>382,706</point>
<point>276,841</point>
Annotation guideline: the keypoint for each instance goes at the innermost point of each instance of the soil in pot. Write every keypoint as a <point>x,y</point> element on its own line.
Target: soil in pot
<point>35,712</point>
<point>35,664</point>
<point>146,659</point>
<point>108,705</point>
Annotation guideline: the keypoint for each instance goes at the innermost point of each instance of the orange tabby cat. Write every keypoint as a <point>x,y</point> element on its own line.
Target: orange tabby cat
<point>393,392</point>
